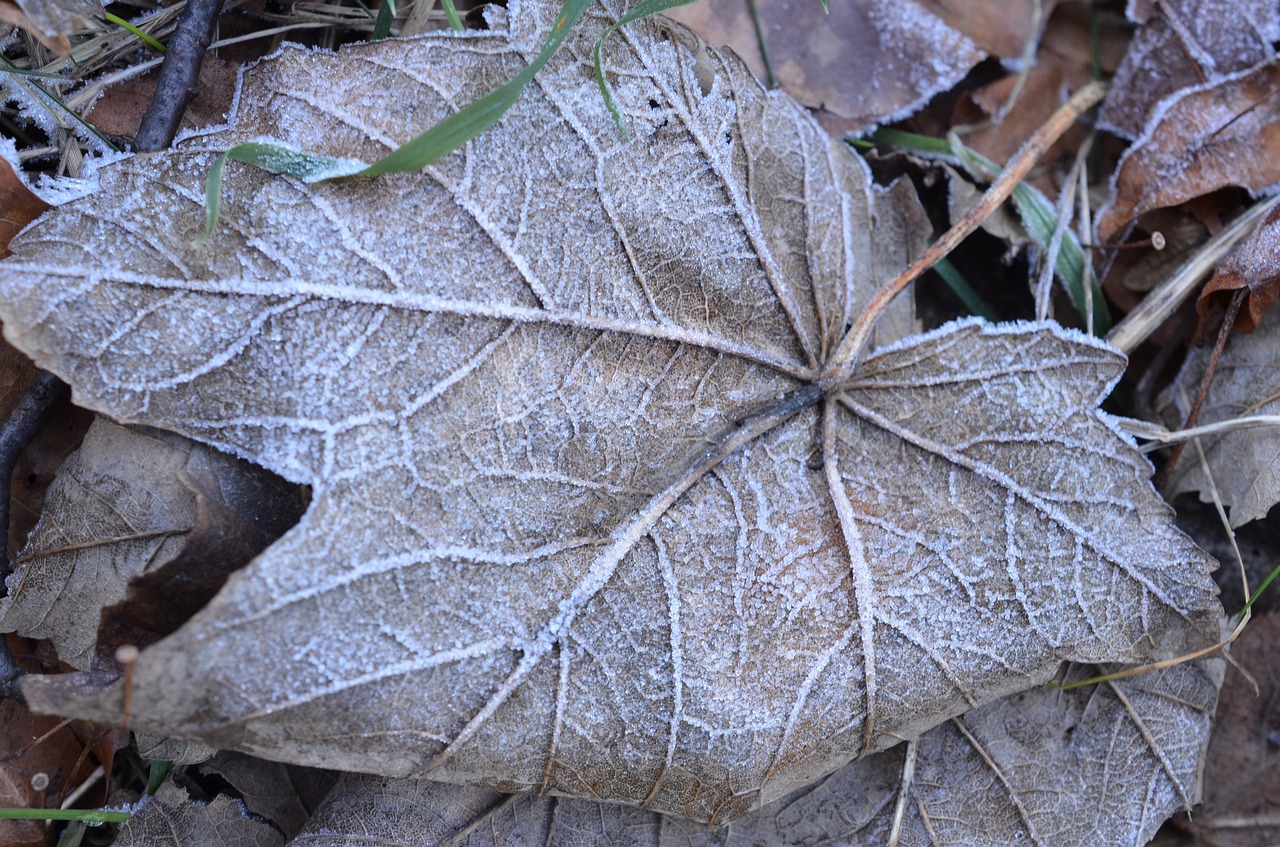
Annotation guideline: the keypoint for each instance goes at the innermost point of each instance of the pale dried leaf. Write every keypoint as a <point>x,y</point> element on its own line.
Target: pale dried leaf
<point>578,523</point>
<point>129,503</point>
<point>104,522</point>
<point>825,60</point>
<point>172,819</point>
<point>284,795</point>
<point>1054,769</point>
<point>1245,463</point>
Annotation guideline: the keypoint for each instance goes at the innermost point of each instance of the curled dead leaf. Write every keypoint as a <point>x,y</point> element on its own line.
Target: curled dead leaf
<point>1253,265</point>
<point>1210,136</point>
<point>1244,462</point>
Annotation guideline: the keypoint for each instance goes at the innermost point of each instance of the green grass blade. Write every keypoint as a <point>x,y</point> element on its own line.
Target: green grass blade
<point>643,10</point>
<point>451,15</point>
<point>276,158</point>
<point>382,23</point>
<point>93,816</point>
<point>34,86</point>
<point>158,770</point>
<point>1261,588</point>
<point>925,145</point>
<point>123,24</point>
<point>961,288</point>
<point>1034,210</point>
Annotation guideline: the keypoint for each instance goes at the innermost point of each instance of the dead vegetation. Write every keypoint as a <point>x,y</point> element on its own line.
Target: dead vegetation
<point>1114,233</point>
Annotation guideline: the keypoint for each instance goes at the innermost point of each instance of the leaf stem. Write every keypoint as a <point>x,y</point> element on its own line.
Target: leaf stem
<point>1087,97</point>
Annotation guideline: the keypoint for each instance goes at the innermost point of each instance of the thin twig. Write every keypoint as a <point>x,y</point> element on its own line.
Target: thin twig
<point>178,75</point>
<point>1224,332</point>
<point>24,422</point>
<point>1164,299</point>
<point>1017,169</point>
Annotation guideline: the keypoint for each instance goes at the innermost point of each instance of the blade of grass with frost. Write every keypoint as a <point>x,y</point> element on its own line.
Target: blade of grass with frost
<point>644,10</point>
<point>93,816</point>
<point>382,24</point>
<point>434,144</point>
<point>42,95</point>
<point>451,15</point>
<point>123,24</point>
<point>1034,210</point>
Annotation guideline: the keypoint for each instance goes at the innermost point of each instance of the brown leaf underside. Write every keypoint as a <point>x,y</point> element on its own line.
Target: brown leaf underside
<point>583,519</point>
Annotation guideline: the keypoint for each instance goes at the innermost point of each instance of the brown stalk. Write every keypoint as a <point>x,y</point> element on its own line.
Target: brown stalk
<point>1019,166</point>
<point>1224,332</point>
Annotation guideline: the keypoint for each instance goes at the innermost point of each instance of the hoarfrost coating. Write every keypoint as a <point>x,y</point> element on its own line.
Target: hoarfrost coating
<point>593,368</point>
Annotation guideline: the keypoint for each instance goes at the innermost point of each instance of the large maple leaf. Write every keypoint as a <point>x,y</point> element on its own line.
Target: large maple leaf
<point>591,514</point>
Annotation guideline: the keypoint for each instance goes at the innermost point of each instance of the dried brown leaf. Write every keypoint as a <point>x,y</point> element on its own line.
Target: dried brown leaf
<point>19,206</point>
<point>825,60</point>
<point>154,510</point>
<point>284,795</point>
<point>1210,136</point>
<point>172,819</point>
<point>1009,772</point>
<point>1182,44</point>
<point>587,518</point>
<point>39,763</point>
<point>1253,265</point>
<point>1245,463</point>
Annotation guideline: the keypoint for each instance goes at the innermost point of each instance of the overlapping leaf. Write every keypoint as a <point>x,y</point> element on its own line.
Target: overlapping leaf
<point>588,517</point>
<point>1043,767</point>
<point>1244,462</point>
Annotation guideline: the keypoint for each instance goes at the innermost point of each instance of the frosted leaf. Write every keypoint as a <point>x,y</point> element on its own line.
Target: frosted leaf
<point>1181,44</point>
<point>585,518</point>
<point>862,64</point>
<point>1245,463</point>
<point>1050,768</point>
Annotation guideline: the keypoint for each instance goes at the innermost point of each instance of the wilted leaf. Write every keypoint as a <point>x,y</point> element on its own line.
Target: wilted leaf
<point>825,60</point>
<point>41,763</point>
<point>172,819</point>
<point>1182,44</point>
<point>587,517</point>
<point>1208,137</point>
<point>1245,463</point>
<point>126,504</point>
<point>1254,265</point>
<point>1016,770</point>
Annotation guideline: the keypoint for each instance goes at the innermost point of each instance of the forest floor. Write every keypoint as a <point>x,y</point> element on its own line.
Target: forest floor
<point>1138,199</point>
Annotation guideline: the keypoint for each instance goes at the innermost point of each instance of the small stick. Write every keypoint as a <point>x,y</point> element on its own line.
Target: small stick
<point>178,75</point>
<point>127,655</point>
<point>1163,300</point>
<point>1224,332</point>
<point>846,357</point>
<point>24,422</point>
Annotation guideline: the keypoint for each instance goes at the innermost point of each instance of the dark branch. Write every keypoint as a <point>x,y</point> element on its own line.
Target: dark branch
<point>179,75</point>
<point>24,422</point>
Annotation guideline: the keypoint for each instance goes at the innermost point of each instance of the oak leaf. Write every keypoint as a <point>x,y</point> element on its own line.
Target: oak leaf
<point>597,509</point>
